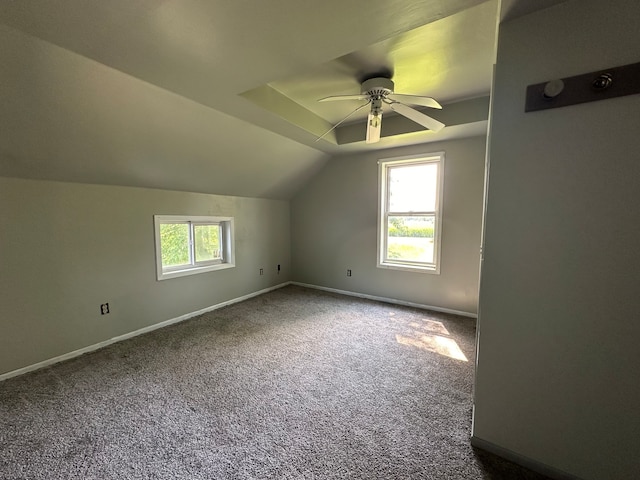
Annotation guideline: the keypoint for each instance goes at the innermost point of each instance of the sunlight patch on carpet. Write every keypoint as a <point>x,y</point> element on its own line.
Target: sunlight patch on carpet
<point>433,343</point>
<point>431,326</point>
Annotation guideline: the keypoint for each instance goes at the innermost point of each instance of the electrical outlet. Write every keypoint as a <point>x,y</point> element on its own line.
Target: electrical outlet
<point>348,273</point>
<point>262,271</point>
<point>104,309</point>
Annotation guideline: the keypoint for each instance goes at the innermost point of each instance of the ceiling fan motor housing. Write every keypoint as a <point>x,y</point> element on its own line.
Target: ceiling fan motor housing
<point>377,87</point>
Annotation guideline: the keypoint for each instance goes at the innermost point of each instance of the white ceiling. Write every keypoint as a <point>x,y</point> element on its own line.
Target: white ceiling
<point>149,93</point>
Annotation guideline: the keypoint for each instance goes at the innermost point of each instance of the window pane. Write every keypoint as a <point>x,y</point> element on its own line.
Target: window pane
<point>410,238</point>
<point>412,188</point>
<point>207,242</point>
<point>174,244</point>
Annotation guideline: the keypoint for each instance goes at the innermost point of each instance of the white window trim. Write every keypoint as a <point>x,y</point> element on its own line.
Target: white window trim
<point>382,262</point>
<point>227,246</point>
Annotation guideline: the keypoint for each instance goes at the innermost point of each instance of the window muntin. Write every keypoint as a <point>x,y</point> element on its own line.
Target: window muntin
<point>186,245</point>
<point>409,213</point>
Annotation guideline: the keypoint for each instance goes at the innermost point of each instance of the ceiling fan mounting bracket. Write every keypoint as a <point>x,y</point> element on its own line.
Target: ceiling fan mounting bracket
<point>382,72</point>
<point>377,87</point>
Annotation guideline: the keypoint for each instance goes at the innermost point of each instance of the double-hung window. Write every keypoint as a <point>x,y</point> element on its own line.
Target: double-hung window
<point>409,213</point>
<point>186,245</point>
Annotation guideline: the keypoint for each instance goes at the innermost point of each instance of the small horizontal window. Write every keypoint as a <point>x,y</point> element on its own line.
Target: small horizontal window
<point>186,245</point>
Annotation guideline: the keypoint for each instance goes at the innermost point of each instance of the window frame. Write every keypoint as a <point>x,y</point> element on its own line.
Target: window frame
<point>384,167</point>
<point>226,225</point>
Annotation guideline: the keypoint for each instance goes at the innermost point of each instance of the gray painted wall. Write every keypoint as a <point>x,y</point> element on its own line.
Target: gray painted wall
<point>557,377</point>
<point>334,221</point>
<point>67,248</point>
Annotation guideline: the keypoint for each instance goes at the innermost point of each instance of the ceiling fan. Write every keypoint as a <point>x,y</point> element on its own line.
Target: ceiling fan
<point>378,91</point>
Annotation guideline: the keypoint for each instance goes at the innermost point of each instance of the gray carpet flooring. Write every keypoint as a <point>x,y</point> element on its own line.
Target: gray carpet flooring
<point>293,384</point>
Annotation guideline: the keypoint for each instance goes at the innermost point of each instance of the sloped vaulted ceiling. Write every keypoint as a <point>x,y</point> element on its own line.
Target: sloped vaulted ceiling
<point>149,93</point>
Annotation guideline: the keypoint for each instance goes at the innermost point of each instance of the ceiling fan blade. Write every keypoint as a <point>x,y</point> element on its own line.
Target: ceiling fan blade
<point>333,98</point>
<point>414,100</point>
<point>338,124</point>
<point>418,117</point>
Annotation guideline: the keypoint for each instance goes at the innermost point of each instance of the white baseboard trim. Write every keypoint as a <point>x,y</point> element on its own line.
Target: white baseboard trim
<point>526,462</point>
<point>388,300</point>
<point>135,333</point>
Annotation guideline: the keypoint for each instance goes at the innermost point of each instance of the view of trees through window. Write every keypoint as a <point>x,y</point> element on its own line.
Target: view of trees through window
<point>193,244</point>
<point>174,241</point>
<point>207,242</point>
<point>410,238</point>
<point>176,246</point>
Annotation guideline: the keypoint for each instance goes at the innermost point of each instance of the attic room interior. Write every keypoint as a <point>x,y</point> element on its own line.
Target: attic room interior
<point>310,337</point>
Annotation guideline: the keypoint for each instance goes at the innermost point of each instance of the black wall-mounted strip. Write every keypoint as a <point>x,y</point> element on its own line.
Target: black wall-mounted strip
<point>588,87</point>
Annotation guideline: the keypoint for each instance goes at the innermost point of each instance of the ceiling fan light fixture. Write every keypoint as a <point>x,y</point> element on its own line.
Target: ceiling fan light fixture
<point>374,121</point>
<point>374,126</point>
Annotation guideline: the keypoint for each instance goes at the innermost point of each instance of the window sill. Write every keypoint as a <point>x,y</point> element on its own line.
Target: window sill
<point>410,268</point>
<point>194,270</point>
